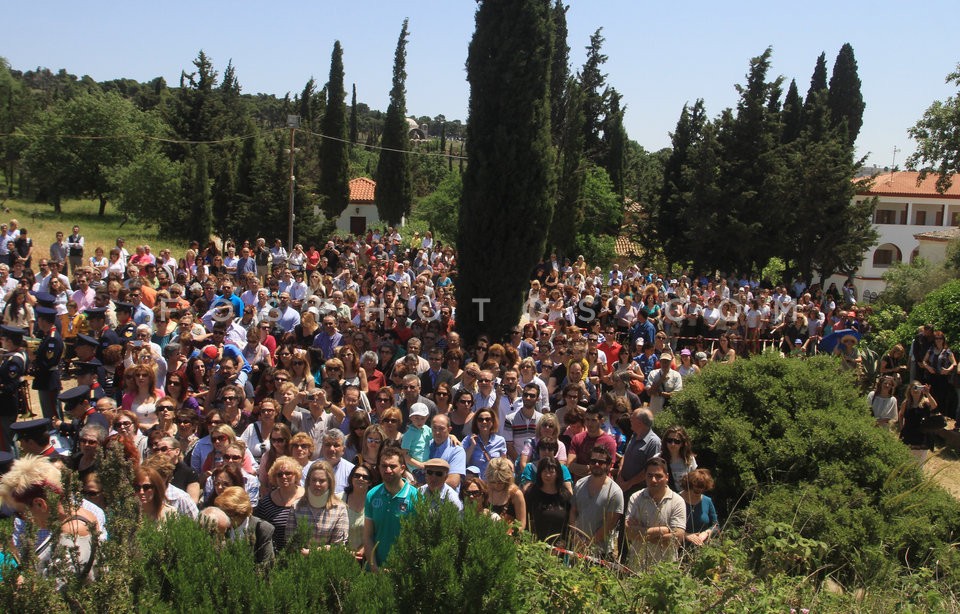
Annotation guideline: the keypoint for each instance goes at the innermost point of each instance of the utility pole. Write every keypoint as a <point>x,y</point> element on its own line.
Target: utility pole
<point>293,122</point>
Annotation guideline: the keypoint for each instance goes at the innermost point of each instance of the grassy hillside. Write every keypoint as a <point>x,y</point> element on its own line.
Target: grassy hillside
<point>42,224</point>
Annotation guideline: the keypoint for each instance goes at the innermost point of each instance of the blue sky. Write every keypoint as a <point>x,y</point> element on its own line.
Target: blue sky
<point>661,54</point>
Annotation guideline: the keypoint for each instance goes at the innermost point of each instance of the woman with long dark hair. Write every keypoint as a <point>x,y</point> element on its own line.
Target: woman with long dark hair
<point>548,502</point>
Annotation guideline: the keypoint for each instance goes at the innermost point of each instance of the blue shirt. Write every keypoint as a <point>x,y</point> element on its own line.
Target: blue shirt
<point>456,456</point>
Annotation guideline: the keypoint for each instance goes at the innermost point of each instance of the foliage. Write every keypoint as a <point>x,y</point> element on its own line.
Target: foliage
<point>394,191</point>
<point>468,562</point>
<point>940,308</point>
<point>845,100</point>
<point>773,271</point>
<point>793,439</point>
<point>148,186</point>
<point>938,138</point>
<point>568,214</point>
<point>441,209</point>
<point>909,283</point>
<point>508,184</point>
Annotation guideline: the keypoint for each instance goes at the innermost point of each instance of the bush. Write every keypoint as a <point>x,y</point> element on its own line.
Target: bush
<point>468,562</point>
<point>792,441</point>
<point>940,308</point>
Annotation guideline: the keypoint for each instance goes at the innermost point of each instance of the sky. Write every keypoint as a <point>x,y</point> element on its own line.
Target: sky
<point>661,55</point>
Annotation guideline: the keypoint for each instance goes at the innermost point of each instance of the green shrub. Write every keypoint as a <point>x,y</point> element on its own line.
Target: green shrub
<point>464,561</point>
<point>941,308</point>
<point>793,442</point>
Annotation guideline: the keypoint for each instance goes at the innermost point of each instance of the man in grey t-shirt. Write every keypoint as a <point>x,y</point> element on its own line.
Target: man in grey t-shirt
<point>597,507</point>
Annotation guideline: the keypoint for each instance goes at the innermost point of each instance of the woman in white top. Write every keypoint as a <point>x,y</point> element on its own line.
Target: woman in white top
<point>883,402</point>
<point>142,394</point>
<point>99,262</point>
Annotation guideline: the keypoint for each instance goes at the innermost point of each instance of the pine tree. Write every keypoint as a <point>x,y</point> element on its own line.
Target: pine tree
<point>845,100</point>
<point>354,134</point>
<point>394,191</point>
<point>334,175</point>
<point>507,202</point>
<point>674,202</point>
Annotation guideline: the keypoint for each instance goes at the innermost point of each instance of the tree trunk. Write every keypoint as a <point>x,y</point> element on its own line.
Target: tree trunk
<point>103,205</point>
<point>56,204</point>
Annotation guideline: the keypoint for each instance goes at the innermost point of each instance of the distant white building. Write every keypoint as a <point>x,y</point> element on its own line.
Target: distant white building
<point>912,220</point>
<point>361,213</point>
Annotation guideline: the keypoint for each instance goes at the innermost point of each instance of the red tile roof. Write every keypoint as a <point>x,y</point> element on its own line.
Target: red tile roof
<point>361,190</point>
<point>904,183</point>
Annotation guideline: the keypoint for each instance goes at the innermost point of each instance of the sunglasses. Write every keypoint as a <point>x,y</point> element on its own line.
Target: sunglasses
<point>676,441</point>
<point>484,419</point>
<point>277,440</point>
<point>390,421</point>
<point>363,477</point>
<point>230,398</point>
<point>163,449</point>
<point>598,461</point>
<point>441,394</point>
<point>473,493</point>
<point>301,445</point>
<point>384,399</point>
<point>142,487</point>
<point>182,422</point>
<point>438,473</point>
<point>233,457</point>
<point>374,440</point>
<point>124,424</point>
<point>286,474</point>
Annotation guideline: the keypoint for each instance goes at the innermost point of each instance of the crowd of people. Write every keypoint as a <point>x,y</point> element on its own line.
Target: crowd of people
<point>262,390</point>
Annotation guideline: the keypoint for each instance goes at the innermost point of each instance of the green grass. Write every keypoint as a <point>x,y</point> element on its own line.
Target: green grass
<point>42,224</point>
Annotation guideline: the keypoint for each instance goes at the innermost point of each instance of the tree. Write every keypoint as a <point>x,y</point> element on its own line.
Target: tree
<point>73,145</point>
<point>149,187</point>
<point>593,82</point>
<point>394,191</point>
<point>559,69</point>
<point>938,138</point>
<point>334,173</point>
<point>508,183</point>
<point>845,100</point>
<point>197,192</point>
<point>614,142</point>
<point>568,214</point>
<point>792,114</point>
<point>440,208</point>
<point>354,134</point>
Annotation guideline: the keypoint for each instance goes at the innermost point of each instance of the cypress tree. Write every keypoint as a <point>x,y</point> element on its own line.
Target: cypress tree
<point>507,201</point>
<point>845,100</point>
<point>559,69</point>
<point>615,142</point>
<point>818,82</point>
<point>354,133</point>
<point>334,174</point>
<point>792,114</point>
<point>198,196</point>
<point>394,191</point>
<point>568,216</point>
<point>673,204</point>
<point>595,93</point>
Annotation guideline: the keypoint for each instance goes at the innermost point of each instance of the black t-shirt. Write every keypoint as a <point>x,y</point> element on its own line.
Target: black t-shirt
<point>183,476</point>
<point>549,514</point>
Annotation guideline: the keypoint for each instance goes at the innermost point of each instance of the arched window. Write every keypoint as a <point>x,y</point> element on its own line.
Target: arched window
<point>886,255</point>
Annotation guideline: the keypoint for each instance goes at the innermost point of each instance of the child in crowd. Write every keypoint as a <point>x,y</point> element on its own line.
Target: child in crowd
<point>416,440</point>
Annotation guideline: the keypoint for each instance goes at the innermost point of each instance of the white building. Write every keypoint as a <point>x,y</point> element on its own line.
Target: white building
<point>361,213</point>
<point>905,213</point>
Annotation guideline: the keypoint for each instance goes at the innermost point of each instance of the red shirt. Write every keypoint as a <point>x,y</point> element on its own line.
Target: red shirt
<point>582,445</point>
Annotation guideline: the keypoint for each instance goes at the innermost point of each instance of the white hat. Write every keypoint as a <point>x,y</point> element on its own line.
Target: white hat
<point>419,409</point>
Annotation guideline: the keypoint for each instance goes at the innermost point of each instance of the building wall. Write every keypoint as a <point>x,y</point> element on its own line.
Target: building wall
<point>897,219</point>
<point>368,211</point>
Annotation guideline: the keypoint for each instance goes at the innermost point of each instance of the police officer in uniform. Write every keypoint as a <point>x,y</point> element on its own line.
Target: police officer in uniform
<point>88,374</point>
<point>126,327</point>
<point>98,329</point>
<point>46,365</point>
<point>45,299</point>
<point>76,404</point>
<point>13,365</point>
<point>34,438</point>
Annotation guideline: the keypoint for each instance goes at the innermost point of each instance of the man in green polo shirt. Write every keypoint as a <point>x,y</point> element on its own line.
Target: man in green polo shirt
<point>384,507</point>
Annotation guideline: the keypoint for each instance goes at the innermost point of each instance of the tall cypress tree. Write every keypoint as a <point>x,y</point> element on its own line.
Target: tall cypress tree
<point>845,100</point>
<point>568,215</point>
<point>614,142</point>
<point>198,195</point>
<point>394,191</point>
<point>559,69</point>
<point>671,210</point>
<point>792,114</point>
<point>818,83</point>
<point>595,92</point>
<point>507,201</point>
<point>335,169</point>
<point>354,133</point>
